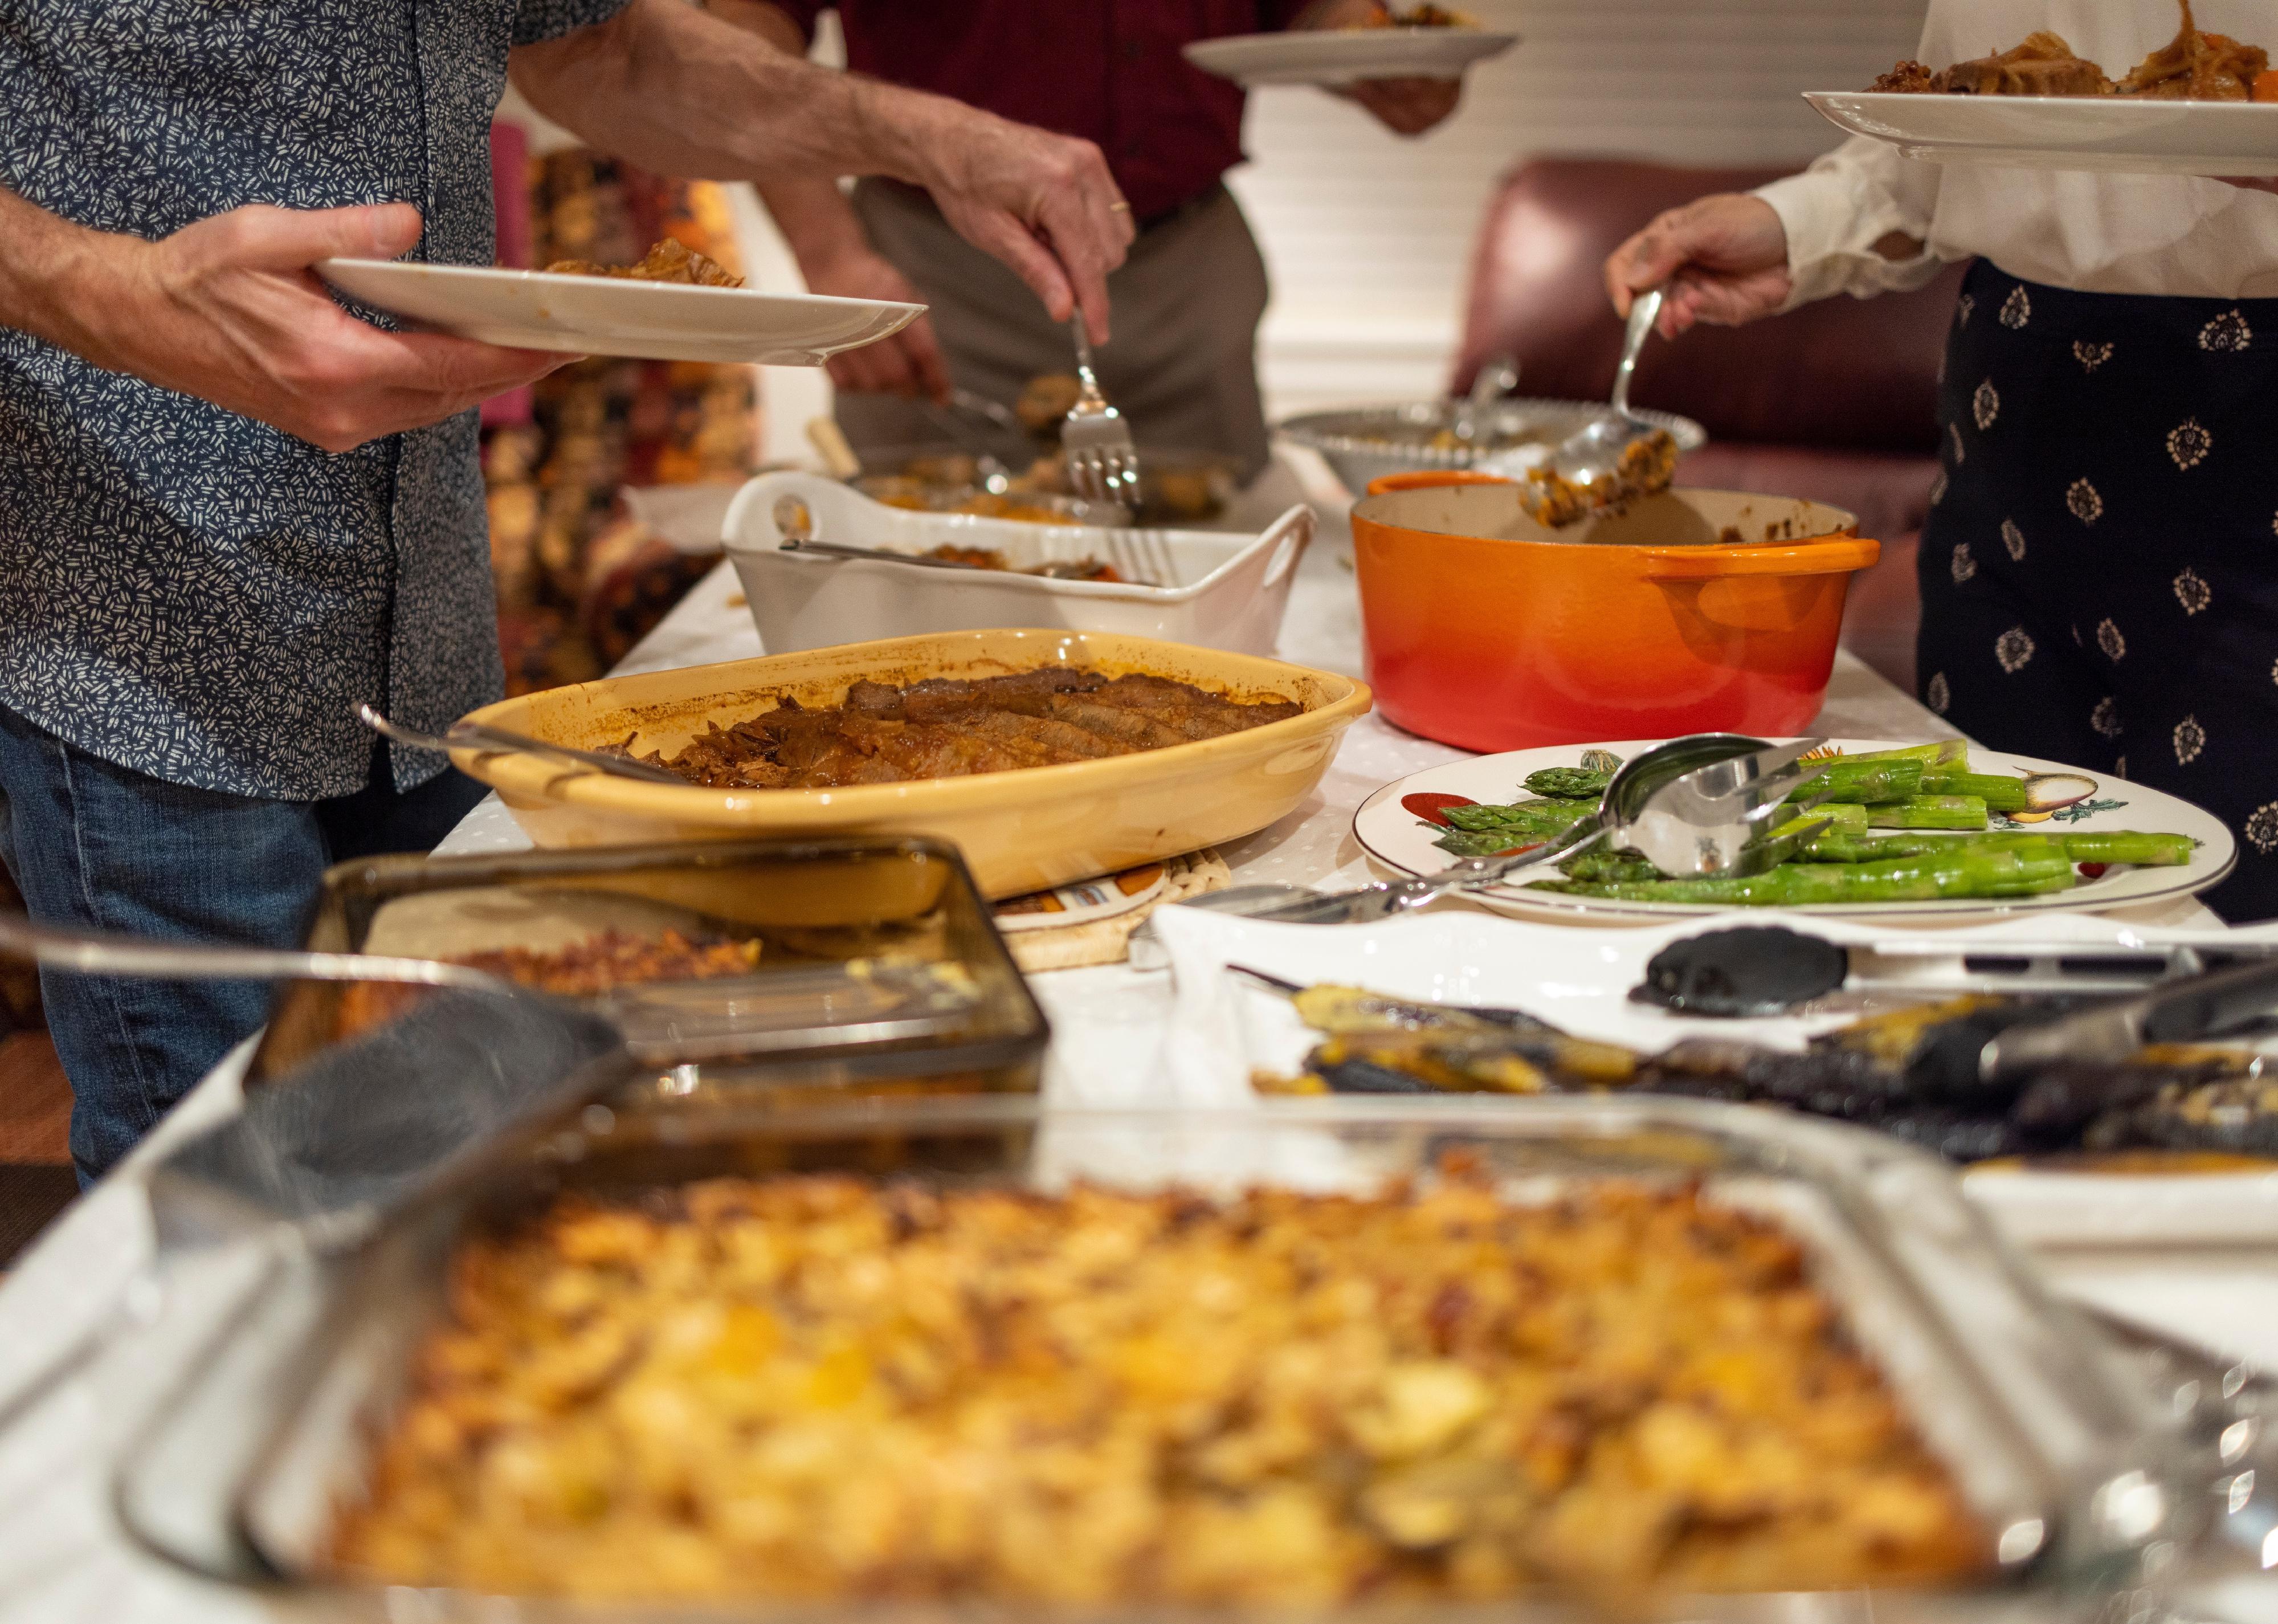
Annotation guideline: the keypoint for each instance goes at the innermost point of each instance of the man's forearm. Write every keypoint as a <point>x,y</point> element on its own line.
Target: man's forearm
<point>49,269</point>
<point>683,93</point>
<point>812,214</point>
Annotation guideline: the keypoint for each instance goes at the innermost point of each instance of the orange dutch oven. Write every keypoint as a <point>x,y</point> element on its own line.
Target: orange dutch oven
<point>1691,612</point>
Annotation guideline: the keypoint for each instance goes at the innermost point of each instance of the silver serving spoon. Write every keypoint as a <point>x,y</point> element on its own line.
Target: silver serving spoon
<point>1592,461</point>
<point>100,953</point>
<point>1495,379</point>
<point>987,468</point>
<point>499,740</point>
<point>1693,806</point>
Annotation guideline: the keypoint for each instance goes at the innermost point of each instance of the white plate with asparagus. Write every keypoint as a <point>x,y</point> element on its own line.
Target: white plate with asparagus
<point>1944,829</point>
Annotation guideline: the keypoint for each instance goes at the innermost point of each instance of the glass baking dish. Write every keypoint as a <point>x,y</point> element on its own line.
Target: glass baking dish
<point>877,965</point>
<point>2073,1476</point>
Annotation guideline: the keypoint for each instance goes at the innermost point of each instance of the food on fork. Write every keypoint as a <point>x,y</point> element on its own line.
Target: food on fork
<point>947,727</point>
<point>835,1391</point>
<point>2195,66</point>
<point>670,260</point>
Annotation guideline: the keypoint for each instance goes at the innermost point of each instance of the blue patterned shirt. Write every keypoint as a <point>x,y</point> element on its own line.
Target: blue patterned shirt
<point>186,591</point>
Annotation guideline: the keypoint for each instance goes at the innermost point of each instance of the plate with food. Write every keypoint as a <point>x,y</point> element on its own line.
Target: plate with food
<point>1418,42</point>
<point>2201,105</point>
<point>675,306</point>
<point>1939,832</point>
<point>2170,1143</point>
<point>1047,755</point>
<point>1219,589</point>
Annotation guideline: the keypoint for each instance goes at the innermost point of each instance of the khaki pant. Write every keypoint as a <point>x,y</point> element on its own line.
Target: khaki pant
<point>1182,365</point>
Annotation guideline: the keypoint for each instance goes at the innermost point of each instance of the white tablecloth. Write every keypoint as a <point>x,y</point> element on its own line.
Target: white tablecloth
<point>64,1560</point>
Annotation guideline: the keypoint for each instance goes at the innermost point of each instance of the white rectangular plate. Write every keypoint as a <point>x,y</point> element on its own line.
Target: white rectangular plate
<point>1579,981</point>
<point>613,316</point>
<point>2125,136</point>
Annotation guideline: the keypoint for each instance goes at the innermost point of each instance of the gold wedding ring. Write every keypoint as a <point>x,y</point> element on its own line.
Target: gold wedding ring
<point>1119,208</point>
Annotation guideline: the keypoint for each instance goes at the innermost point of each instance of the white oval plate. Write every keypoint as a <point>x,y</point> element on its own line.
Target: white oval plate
<point>1346,55</point>
<point>2065,132</point>
<point>1398,839</point>
<point>612,315</point>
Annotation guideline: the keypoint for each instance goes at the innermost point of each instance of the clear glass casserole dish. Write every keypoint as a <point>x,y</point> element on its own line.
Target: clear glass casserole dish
<point>2071,1476</point>
<point>860,961</point>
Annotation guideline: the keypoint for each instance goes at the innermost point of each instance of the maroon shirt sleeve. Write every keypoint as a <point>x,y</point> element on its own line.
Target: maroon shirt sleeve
<point>1108,71</point>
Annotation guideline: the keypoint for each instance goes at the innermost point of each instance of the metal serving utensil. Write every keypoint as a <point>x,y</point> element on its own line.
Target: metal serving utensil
<point>1125,549</point>
<point>100,952</point>
<point>1495,379</point>
<point>988,467</point>
<point>328,1149</point>
<point>1592,459</point>
<point>2204,1006</point>
<point>1693,806</point>
<point>1757,970</point>
<point>1103,462</point>
<point>501,740</point>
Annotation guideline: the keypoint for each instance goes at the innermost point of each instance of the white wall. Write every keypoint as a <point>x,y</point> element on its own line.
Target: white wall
<point>1368,236</point>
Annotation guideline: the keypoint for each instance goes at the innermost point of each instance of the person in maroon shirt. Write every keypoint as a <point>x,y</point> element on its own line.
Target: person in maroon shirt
<point>1187,300</point>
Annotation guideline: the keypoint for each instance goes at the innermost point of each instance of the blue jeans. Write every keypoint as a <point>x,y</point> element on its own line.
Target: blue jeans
<point>97,845</point>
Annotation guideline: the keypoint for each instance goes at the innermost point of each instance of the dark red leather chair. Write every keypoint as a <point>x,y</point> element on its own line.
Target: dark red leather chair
<point>1834,401</point>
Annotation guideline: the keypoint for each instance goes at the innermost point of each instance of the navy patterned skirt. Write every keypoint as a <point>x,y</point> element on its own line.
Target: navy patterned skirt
<point>2099,572</point>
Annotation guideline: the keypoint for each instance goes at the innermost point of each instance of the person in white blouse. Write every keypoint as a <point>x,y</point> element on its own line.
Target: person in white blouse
<point>2099,570</point>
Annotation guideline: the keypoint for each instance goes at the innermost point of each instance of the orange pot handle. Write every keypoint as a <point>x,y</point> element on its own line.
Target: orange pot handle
<point>1424,479</point>
<point>1834,556</point>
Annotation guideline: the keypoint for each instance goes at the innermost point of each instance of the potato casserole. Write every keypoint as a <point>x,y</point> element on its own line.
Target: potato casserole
<point>822,1387</point>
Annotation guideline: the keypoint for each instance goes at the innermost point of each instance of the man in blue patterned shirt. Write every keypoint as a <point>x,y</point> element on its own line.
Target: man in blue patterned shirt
<point>229,508</point>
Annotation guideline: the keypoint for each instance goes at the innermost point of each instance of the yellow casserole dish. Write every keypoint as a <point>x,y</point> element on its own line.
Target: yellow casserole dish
<point>1022,831</point>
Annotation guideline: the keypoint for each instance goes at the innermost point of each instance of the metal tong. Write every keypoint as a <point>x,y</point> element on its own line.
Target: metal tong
<point>1700,805</point>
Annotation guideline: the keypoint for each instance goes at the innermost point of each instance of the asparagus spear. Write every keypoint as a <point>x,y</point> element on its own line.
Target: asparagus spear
<point>1963,869</point>
<point>2127,846</point>
<point>1569,783</point>
<point>1844,778</point>
<point>1482,831</point>
<point>1552,815</point>
<point>1488,842</point>
<point>1599,866</point>
<point>2146,851</point>
<point>1999,792</point>
<point>1952,753</point>
<point>1929,812</point>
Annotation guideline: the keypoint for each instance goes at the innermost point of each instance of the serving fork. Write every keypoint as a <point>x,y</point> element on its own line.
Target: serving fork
<point>1102,461</point>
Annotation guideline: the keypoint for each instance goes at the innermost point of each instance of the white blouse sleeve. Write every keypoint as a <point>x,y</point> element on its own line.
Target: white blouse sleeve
<point>1836,213</point>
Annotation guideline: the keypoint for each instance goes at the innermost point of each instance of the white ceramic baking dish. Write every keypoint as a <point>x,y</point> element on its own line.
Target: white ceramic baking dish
<point>1217,591</point>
